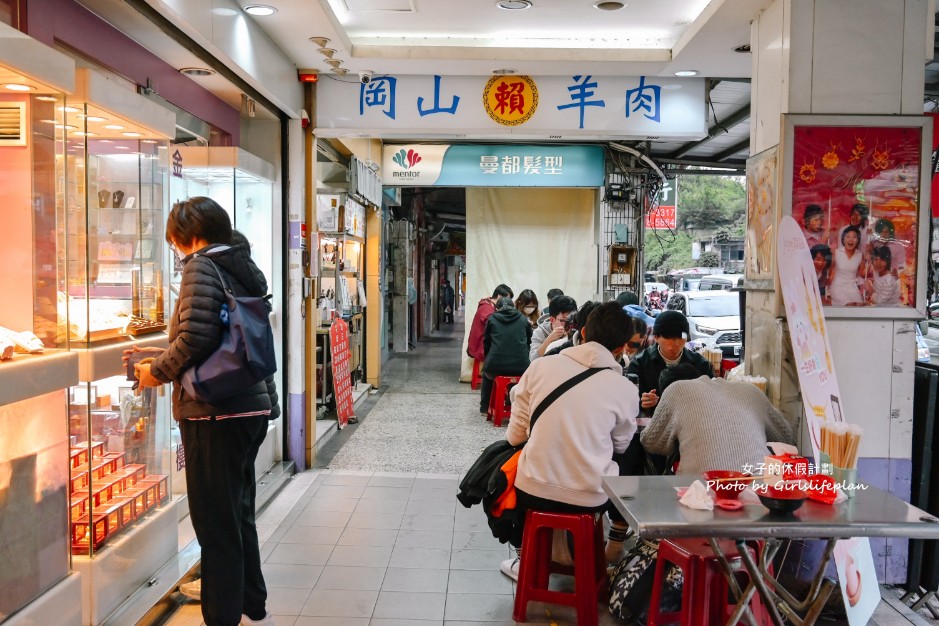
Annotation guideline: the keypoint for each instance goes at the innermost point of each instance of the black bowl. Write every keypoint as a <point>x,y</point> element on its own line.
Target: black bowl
<point>783,505</point>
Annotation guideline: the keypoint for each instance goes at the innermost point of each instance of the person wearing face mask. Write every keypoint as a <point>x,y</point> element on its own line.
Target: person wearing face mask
<point>527,303</point>
<point>670,333</point>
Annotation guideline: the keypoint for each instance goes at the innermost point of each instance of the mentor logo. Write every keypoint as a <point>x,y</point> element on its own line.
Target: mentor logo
<point>406,160</point>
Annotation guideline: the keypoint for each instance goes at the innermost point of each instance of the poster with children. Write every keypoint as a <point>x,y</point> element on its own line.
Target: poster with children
<point>856,194</point>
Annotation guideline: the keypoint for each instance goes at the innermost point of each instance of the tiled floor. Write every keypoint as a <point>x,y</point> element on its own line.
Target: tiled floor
<point>376,540</point>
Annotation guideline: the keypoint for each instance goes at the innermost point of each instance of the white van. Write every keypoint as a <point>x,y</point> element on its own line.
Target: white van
<point>719,282</point>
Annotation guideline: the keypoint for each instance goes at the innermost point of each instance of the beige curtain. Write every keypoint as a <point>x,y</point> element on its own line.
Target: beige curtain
<point>528,238</point>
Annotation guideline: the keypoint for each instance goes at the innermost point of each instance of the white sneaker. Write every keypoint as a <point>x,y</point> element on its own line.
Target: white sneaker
<point>509,567</point>
<point>268,620</point>
<point>192,589</point>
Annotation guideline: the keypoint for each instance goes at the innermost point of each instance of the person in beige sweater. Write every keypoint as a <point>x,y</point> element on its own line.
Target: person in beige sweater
<point>715,424</point>
<point>570,448</point>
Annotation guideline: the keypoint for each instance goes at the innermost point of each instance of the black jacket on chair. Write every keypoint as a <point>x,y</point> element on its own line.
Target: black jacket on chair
<point>506,343</point>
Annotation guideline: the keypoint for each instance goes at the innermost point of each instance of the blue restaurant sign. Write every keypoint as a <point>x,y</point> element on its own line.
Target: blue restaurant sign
<point>479,165</point>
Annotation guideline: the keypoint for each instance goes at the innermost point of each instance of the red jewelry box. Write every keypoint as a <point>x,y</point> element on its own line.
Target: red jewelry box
<point>78,481</point>
<point>91,532</point>
<point>161,483</point>
<point>128,508</point>
<point>78,506</point>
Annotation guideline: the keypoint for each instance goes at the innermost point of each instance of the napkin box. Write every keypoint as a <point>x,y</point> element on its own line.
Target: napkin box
<point>779,467</point>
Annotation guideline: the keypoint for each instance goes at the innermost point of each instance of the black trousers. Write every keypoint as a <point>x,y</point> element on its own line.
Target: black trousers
<point>526,501</point>
<point>220,458</point>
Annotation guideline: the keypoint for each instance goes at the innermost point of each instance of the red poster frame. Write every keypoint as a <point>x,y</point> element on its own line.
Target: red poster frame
<point>833,163</point>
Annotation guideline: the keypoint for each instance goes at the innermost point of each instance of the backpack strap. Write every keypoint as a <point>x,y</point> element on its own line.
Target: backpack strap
<point>560,391</point>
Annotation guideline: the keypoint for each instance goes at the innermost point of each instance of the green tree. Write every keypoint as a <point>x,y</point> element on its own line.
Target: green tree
<point>709,202</point>
<point>667,250</point>
<point>709,259</point>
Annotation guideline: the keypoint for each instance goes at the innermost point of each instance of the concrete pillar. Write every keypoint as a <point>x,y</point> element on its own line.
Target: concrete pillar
<point>842,57</point>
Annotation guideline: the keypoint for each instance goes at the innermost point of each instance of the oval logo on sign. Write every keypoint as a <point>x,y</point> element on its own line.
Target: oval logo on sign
<point>510,100</point>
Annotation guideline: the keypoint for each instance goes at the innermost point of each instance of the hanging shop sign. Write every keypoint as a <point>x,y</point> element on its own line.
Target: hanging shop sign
<point>478,165</point>
<point>664,216</point>
<point>342,381</point>
<point>583,105</point>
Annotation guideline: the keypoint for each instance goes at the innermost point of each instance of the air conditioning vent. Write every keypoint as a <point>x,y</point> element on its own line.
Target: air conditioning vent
<point>12,123</point>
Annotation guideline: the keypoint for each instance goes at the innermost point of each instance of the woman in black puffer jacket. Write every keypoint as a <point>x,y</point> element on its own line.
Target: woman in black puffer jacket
<point>506,343</point>
<point>219,439</point>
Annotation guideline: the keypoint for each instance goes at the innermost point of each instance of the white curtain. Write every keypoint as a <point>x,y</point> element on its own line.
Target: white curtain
<point>528,238</point>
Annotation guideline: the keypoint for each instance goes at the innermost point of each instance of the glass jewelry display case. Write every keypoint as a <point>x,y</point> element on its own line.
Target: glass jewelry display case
<point>35,585</point>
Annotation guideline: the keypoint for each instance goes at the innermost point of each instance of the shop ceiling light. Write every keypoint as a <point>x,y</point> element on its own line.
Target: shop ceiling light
<point>686,73</point>
<point>95,118</point>
<point>18,87</point>
<point>114,127</point>
<point>260,10</point>
<point>196,71</point>
<point>70,109</point>
<point>79,133</point>
<point>47,98</point>
<point>609,6</point>
<point>132,134</point>
<point>514,5</point>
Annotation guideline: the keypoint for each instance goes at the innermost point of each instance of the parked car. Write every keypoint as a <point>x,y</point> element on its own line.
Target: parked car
<point>713,318</point>
<point>922,348</point>
<point>717,282</point>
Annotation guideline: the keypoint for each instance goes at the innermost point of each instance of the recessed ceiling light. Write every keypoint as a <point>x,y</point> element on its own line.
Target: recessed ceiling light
<point>18,87</point>
<point>132,134</point>
<point>260,10</point>
<point>320,41</point>
<point>196,71</point>
<point>686,73</point>
<point>122,147</point>
<point>513,5</point>
<point>148,141</point>
<point>609,6</point>
<point>70,109</point>
<point>743,49</point>
<point>95,118</point>
<point>114,127</point>
<point>79,133</point>
<point>47,98</point>
<point>503,72</point>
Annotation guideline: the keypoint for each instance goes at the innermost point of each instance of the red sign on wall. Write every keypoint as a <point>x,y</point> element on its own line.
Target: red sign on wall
<point>342,381</point>
<point>662,217</point>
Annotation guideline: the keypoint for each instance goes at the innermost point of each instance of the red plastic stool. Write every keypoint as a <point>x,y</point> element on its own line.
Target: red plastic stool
<point>704,593</point>
<point>589,571</point>
<point>477,377</point>
<point>499,405</point>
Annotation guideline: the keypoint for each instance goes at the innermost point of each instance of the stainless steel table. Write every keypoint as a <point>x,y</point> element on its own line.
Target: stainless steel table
<point>650,505</point>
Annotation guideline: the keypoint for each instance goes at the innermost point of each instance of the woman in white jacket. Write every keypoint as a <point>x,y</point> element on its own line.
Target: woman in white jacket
<point>572,444</point>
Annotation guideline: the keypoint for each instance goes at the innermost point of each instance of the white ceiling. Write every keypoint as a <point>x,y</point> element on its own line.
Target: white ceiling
<point>553,37</point>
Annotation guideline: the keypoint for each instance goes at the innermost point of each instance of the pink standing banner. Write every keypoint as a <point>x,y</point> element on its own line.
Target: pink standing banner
<point>342,381</point>
<point>821,400</point>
